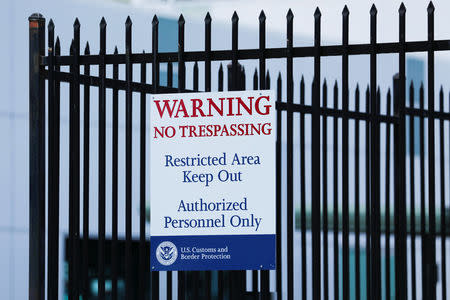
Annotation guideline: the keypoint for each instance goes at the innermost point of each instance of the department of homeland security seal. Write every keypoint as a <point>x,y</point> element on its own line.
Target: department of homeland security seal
<point>166,253</point>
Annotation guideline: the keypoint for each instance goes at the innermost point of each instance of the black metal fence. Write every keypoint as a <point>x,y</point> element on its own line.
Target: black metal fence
<point>370,128</point>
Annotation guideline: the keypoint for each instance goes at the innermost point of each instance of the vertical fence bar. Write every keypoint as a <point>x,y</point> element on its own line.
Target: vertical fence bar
<point>345,145</point>
<point>115,164</point>
<point>76,145</point>
<point>86,177</point>
<point>368,193</point>
<point>290,157</point>
<point>101,161</point>
<point>422,186</point>
<point>234,49</point>
<point>208,21</point>
<point>315,160</point>
<point>400,163</point>
<point>169,286</point>
<point>387,209</point>
<point>278,187</point>
<point>181,87</point>
<point>442,204</point>
<point>262,48</point>
<point>255,272</point>
<point>181,64</point>
<point>36,283</point>
<point>129,292</point>
<point>74,157</point>
<point>357,205</point>
<point>335,197</point>
<point>375,166</point>
<point>444,233</point>
<point>155,81</point>
<point>325,190</point>
<point>303,191</point>
<point>431,158</point>
<point>71,227</point>
<point>57,96</point>
<point>142,176</point>
<point>195,275</point>
<point>53,172</point>
<point>412,192</point>
<point>265,279</point>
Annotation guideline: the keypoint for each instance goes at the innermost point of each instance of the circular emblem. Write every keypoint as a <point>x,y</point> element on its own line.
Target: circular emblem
<point>166,253</point>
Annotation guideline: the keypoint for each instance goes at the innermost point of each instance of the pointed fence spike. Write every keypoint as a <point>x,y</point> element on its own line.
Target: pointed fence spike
<point>103,23</point>
<point>357,98</point>
<point>115,50</point>
<point>76,24</point>
<point>181,19</point>
<point>290,15</point>
<point>255,79</point>
<point>208,18</point>
<point>267,81</point>
<point>373,10</point>
<point>71,50</point>
<point>57,46</point>
<point>430,8</point>
<point>87,50</point>
<point>235,17</point>
<point>155,20</point>
<point>345,11</point>
<point>402,9</point>
<point>51,25</point>
<point>317,13</point>
<point>128,22</point>
<point>388,104</point>
<point>262,16</point>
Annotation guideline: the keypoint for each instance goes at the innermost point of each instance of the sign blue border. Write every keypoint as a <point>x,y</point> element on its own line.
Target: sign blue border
<point>213,252</point>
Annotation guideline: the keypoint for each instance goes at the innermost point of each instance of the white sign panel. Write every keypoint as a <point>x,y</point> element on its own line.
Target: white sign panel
<point>212,181</point>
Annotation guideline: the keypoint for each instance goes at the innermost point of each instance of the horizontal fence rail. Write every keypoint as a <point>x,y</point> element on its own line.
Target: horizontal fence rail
<point>269,53</point>
<point>362,200</point>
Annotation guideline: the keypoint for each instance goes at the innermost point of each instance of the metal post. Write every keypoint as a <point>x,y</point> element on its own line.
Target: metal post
<point>36,283</point>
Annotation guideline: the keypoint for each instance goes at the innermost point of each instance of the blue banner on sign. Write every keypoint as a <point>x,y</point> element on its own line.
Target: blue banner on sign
<point>217,252</point>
